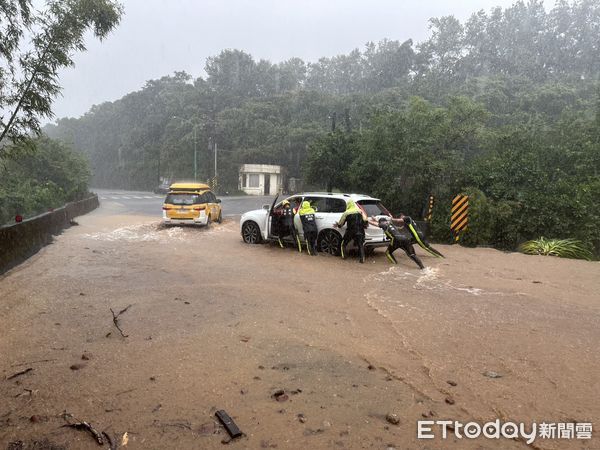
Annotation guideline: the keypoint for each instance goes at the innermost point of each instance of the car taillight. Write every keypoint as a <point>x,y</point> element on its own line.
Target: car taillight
<point>199,208</point>
<point>166,208</point>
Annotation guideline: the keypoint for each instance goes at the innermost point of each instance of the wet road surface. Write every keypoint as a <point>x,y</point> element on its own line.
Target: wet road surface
<point>212,323</point>
<point>150,204</point>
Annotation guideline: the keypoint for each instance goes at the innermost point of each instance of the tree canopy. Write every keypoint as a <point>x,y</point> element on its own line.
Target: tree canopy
<point>34,46</point>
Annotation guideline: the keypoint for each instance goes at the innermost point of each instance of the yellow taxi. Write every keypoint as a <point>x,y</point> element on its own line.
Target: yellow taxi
<point>191,203</point>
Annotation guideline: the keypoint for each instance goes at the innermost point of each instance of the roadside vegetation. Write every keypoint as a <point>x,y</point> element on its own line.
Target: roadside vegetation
<point>505,106</point>
<point>36,173</point>
<point>42,175</point>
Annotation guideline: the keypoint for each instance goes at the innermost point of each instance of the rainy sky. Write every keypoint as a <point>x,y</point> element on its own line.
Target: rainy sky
<point>158,37</point>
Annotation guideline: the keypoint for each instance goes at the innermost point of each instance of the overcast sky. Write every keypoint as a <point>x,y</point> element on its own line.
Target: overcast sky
<point>158,37</point>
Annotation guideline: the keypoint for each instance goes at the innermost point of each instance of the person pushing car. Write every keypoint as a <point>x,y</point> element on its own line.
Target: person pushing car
<point>309,227</point>
<point>355,220</point>
<point>286,225</point>
<point>397,240</point>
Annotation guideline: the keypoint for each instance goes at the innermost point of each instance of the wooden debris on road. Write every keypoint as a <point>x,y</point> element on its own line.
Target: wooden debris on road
<point>116,319</point>
<point>18,374</point>
<point>87,427</point>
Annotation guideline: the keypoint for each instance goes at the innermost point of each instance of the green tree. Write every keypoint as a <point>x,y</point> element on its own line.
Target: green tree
<point>30,84</point>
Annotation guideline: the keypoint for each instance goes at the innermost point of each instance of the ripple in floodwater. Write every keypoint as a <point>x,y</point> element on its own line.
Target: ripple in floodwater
<point>426,279</point>
<point>146,232</point>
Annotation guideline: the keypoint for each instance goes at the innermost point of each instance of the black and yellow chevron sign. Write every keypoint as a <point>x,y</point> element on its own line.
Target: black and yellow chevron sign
<point>460,214</point>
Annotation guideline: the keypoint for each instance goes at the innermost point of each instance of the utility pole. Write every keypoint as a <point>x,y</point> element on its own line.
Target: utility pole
<point>195,155</point>
<point>215,159</point>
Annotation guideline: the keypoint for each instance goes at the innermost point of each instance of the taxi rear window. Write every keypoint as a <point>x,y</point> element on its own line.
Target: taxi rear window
<point>186,199</point>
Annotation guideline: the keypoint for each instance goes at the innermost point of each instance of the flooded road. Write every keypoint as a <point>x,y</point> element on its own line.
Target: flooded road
<point>211,323</point>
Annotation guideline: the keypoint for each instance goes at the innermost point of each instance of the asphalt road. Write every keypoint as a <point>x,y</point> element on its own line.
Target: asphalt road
<point>150,204</point>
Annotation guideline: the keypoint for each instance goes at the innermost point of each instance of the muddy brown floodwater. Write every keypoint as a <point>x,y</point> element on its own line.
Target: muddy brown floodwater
<point>217,324</point>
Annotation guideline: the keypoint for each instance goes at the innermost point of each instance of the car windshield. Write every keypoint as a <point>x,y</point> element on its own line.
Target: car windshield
<point>373,208</point>
<point>182,199</point>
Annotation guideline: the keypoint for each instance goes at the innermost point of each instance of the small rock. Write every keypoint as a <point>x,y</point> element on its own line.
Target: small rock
<point>371,367</point>
<point>85,357</point>
<point>280,395</point>
<point>187,303</point>
<point>244,338</point>
<point>36,418</point>
<point>243,392</point>
<point>450,400</point>
<point>81,293</point>
<point>301,418</point>
<point>326,425</point>
<point>492,374</point>
<point>152,378</point>
<point>226,440</point>
<point>392,418</point>
<point>261,367</point>
<point>257,378</point>
<point>77,366</point>
<point>451,383</point>
<point>536,282</point>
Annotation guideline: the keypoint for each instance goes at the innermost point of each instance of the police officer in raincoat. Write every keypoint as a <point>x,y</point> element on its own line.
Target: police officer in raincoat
<point>355,220</point>
<point>286,225</point>
<point>309,227</point>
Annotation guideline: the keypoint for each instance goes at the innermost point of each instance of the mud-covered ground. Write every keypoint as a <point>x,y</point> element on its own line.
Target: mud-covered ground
<point>217,324</point>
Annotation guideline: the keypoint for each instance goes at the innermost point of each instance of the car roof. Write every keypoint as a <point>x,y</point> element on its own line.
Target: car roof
<point>188,191</point>
<point>342,195</point>
<point>189,186</point>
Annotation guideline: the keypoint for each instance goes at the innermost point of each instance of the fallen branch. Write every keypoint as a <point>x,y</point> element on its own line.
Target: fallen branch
<point>25,392</point>
<point>85,426</point>
<point>116,319</point>
<point>33,362</point>
<point>18,374</point>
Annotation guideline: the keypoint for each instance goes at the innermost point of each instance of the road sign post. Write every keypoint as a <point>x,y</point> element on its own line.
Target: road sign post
<point>460,215</point>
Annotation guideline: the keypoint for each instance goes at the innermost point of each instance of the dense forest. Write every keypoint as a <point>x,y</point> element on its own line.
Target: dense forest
<point>505,106</point>
<point>40,175</point>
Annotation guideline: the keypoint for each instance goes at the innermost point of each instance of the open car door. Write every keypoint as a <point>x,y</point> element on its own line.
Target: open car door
<point>269,223</point>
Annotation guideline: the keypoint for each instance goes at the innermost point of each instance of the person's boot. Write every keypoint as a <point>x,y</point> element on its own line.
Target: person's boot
<point>343,250</point>
<point>299,244</point>
<point>280,243</point>
<point>308,248</point>
<point>416,259</point>
<point>390,256</point>
<point>361,251</point>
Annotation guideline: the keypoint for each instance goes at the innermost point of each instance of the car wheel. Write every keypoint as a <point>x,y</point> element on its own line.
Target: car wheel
<point>220,219</point>
<point>330,242</point>
<point>251,233</point>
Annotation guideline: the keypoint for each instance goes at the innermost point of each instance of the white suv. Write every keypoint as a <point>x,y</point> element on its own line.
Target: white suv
<point>256,226</point>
